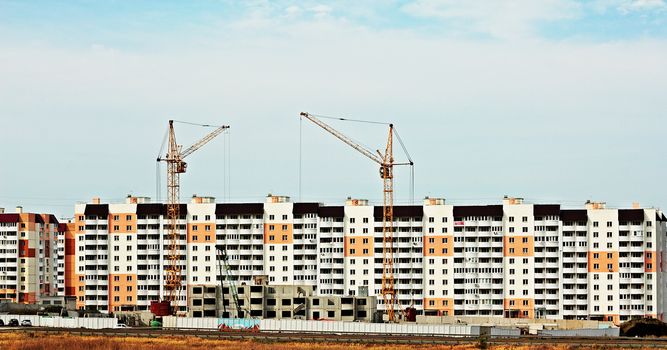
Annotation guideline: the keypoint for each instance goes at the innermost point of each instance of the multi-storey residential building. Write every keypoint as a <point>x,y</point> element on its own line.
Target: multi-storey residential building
<point>513,259</point>
<point>29,257</point>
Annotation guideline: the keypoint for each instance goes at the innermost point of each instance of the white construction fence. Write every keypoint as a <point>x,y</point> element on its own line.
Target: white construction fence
<point>301,326</point>
<point>62,322</point>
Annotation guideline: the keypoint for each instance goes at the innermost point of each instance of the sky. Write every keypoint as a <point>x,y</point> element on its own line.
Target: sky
<point>555,101</point>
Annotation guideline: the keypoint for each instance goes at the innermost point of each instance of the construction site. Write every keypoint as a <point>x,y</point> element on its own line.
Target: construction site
<point>513,266</point>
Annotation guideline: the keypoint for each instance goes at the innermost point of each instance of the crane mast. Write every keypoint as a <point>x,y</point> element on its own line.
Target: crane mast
<point>387,174</point>
<point>386,162</point>
<point>175,167</point>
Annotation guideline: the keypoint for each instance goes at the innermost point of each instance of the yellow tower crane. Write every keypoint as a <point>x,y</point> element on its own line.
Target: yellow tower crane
<point>175,167</point>
<point>386,161</point>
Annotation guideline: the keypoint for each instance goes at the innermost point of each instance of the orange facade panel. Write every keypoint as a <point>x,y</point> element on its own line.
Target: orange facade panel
<point>122,290</point>
<point>358,246</point>
<point>78,284</point>
<point>71,281</point>
<point>650,261</point>
<point>278,233</point>
<point>444,306</point>
<point>518,246</point>
<point>79,224</point>
<point>603,261</point>
<point>201,233</point>
<point>27,222</point>
<point>24,249</point>
<point>123,223</point>
<point>438,245</point>
<point>519,308</point>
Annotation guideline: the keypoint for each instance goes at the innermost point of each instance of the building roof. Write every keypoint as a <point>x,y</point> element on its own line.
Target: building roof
<point>546,210</point>
<point>401,211</point>
<point>574,215</point>
<point>630,215</point>
<point>150,209</point>
<point>39,219</point>
<point>97,209</point>
<point>182,209</point>
<point>9,218</point>
<point>306,208</point>
<point>239,209</point>
<point>478,210</point>
<point>331,212</point>
<point>659,218</point>
<point>51,219</point>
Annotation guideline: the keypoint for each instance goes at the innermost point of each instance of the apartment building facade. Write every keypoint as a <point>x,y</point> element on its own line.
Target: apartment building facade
<point>30,257</point>
<point>512,259</point>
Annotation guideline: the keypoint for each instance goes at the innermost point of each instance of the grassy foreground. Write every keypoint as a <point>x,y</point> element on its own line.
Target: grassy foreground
<point>35,341</point>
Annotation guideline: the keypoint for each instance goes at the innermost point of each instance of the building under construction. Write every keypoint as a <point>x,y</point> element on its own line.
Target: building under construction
<point>512,259</point>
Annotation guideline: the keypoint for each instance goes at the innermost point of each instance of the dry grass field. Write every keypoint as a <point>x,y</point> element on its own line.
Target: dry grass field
<point>30,341</point>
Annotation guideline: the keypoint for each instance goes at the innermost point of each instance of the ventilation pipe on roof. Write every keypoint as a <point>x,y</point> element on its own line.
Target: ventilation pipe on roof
<point>19,209</point>
<point>96,200</point>
<point>2,210</point>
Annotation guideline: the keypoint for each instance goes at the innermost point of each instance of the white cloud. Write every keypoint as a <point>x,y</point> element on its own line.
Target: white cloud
<point>463,107</point>
<point>293,11</point>
<point>641,5</point>
<point>321,11</point>
<point>500,19</point>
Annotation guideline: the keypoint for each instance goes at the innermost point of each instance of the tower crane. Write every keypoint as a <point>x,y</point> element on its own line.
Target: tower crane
<point>175,167</point>
<point>386,161</point>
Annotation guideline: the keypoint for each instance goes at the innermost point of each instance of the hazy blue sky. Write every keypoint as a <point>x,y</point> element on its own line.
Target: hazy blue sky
<point>554,100</point>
